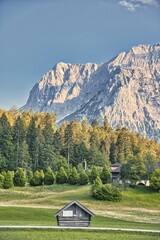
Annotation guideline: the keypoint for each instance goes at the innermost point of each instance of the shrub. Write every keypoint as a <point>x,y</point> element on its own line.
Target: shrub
<point>105,192</point>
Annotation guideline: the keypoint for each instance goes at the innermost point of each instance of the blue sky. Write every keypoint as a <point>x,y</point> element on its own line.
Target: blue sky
<point>36,34</point>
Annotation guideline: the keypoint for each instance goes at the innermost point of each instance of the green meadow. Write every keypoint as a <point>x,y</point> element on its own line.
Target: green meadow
<point>140,208</point>
<point>73,235</point>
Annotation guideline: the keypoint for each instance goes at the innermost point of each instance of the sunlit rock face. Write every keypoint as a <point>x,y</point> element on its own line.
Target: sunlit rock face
<point>125,89</point>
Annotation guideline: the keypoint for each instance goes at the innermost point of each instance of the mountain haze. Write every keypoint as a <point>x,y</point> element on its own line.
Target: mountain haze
<point>126,89</point>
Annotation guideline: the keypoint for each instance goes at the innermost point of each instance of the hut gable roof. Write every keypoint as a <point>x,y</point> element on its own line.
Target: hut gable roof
<point>78,204</point>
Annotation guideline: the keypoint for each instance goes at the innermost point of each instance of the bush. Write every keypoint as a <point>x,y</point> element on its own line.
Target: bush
<point>19,178</point>
<point>49,177</point>
<point>105,192</point>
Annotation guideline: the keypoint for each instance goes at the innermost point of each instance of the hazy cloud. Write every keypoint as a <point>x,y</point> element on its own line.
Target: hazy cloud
<point>132,5</point>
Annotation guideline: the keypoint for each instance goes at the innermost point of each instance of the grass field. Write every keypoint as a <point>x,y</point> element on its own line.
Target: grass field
<point>138,205</point>
<point>140,208</point>
<point>44,217</point>
<point>73,235</point>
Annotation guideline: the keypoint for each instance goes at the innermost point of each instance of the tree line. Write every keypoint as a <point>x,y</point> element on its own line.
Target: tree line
<point>33,142</point>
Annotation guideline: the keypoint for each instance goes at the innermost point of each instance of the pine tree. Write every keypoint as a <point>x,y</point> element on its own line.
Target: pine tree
<point>19,178</point>
<point>8,180</point>
<point>49,177</point>
<point>83,178</point>
<point>105,175</point>
<point>61,176</point>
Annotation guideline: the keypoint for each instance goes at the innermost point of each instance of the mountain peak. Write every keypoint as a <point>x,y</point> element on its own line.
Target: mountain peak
<point>126,90</point>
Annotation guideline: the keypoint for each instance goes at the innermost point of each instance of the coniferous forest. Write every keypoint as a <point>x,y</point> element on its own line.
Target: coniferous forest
<point>70,152</point>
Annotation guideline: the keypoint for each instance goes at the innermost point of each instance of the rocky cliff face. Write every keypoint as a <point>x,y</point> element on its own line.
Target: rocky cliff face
<point>125,89</point>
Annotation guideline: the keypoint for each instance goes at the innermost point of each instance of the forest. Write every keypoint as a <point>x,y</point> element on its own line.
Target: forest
<point>34,142</point>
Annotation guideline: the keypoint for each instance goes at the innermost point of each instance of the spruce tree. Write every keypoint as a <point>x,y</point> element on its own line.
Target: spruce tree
<point>73,177</point>
<point>1,180</point>
<point>8,180</point>
<point>6,142</point>
<point>29,175</point>
<point>155,180</point>
<point>83,178</point>
<point>49,177</point>
<point>105,175</point>
<point>61,176</point>
<point>42,175</point>
<point>19,178</point>
<point>19,136</point>
<point>36,179</point>
<point>94,174</point>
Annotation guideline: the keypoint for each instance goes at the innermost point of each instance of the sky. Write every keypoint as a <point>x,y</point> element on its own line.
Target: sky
<point>36,34</point>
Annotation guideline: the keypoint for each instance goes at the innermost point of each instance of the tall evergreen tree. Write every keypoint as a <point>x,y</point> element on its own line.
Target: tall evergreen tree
<point>19,138</point>
<point>35,143</point>
<point>6,142</point>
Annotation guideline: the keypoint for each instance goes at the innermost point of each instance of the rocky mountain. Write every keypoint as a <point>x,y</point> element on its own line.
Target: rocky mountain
<point>125,89</point>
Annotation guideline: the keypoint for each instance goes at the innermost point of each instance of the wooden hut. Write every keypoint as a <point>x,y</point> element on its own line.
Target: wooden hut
<point>74,214</point>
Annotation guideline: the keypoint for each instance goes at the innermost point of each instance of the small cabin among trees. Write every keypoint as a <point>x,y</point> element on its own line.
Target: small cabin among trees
<point>74,214</point>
